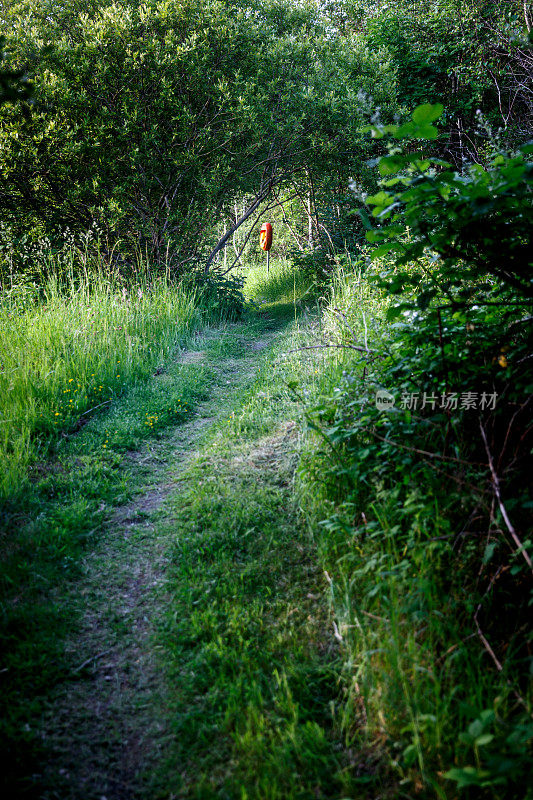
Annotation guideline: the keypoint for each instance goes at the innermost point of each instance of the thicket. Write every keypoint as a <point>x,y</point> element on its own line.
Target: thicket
<point>425,474</point>
<point>176,127</point>
<point>170,123</point>
<point>421,488</point>
<point>420,492</point>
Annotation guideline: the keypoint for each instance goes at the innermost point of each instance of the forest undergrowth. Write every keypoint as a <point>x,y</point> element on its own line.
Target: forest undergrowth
<point>304,489</point>
<point>428,585</point>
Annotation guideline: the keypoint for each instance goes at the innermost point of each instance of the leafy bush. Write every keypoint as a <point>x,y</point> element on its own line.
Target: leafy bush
<point>477,224</point>
<point>425,509</point>
<point>221,296</point>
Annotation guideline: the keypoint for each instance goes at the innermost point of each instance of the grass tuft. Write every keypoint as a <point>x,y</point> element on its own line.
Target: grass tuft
<point>67,354</point>
<point>283,283</point>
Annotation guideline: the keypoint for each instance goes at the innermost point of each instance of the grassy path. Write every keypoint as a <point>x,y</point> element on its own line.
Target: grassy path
<point>198,663</point>
<point>104,724</point>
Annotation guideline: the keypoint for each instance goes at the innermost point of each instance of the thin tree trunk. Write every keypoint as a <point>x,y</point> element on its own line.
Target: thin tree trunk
<point>234,238</point>
<point>292,231</point>
<point>229,233</point>
<point>261,213</point>
<point>225,253</point>
<point>310,227</point>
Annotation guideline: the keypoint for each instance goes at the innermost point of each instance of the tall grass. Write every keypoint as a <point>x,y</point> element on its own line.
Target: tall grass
<point>282,283</point>
<point>404,579</point>
<point>71,350</point>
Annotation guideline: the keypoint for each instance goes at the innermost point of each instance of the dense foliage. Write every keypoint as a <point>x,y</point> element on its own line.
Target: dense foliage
<point>162,132</point>
<point>430,441</point>
<point>425,502</point>
<point>14,85</point>
<point>154,118</point>
<point>473,55</point>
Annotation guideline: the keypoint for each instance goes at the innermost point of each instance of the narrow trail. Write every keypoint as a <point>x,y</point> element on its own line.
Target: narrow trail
<point>106,725</point>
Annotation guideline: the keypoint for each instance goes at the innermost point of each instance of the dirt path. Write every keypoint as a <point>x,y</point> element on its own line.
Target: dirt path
<point>105,725</point>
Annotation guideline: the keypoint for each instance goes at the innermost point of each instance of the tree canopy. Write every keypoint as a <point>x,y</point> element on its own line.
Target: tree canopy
<point>152,117</point>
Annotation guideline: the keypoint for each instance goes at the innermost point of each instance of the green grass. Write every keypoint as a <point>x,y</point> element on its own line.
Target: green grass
<point>279,682</point>
<point>77,393</point>
<point>60,517</point>
<point>389,526</point>
<point>283,283</point>
<point>249,664</point>
<point>248,657</point>
<point>74,350</point>
<point>250,652</point>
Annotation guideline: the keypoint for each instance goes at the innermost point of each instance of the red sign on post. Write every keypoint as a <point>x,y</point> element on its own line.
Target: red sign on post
<point>265,236</point>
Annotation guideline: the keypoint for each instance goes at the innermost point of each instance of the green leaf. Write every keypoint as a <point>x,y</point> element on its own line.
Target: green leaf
<point>426,131</point>
<point>389,165</point>
<point>376,235</point>
<point>365,219</point>
<point>485,738</point>
<point>383,249</point>
<point>489,552</point>
<point>379,199</point>
<point>427,113</point>
<point>526,148</point>
<point>475,728</point>
<point>410,754</point>
<point>404,131</point>
<point>467,776</point>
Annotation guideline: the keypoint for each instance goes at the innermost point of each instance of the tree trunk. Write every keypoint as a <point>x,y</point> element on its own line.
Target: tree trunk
<point>225,253</point>
<point>310,226</point>
<point>231,230</point>
<point>234,239</point>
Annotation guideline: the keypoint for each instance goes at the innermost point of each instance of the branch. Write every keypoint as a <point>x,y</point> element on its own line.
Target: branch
<point>286,221</point>
<point>263,194</point>
<point>92,658</point>
<point>496,484</point>
<point>416,449</point>
<point>338,346</point>
<point>261,213</point>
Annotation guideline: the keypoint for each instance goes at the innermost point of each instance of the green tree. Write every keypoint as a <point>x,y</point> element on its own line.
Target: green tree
<point>152,118</point>
<point>470,54</point>
<point>466,221</point>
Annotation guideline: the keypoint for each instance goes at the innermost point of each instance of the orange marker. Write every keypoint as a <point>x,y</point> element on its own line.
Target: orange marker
<point>265,240</point>
<point>265,236</point>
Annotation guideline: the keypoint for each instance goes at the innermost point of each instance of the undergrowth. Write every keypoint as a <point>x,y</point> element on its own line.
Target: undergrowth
<point>250,652</point>
<point>281,283</point>
<point>90,371</point>
<point>429,587</point>
<point>70,350</point>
